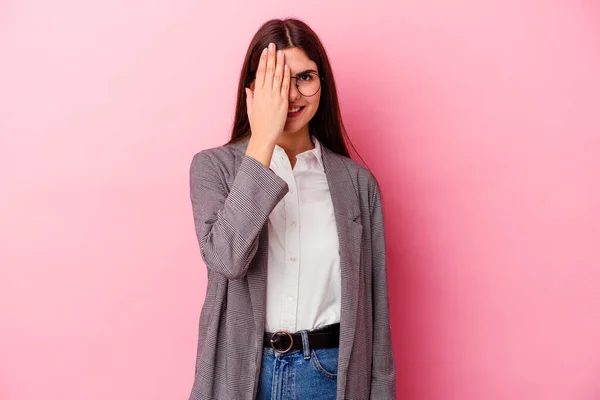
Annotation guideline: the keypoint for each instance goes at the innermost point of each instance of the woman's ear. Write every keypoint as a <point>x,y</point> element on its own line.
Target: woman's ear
<point>252,85</point>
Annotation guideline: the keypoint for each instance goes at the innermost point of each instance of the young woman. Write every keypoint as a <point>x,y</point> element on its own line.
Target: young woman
<point>291,232</point>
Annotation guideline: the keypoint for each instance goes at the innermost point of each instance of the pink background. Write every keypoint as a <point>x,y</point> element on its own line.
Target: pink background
<point>480,119</point>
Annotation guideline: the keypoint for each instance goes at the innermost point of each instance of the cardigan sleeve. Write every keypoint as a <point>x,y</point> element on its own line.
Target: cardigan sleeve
<point>383,374</point>
<point>228,222</point>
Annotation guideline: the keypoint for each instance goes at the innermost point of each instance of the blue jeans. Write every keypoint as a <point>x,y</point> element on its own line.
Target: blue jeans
<point>308,374</point>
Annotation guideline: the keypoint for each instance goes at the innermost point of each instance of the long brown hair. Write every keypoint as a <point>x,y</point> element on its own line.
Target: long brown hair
<point>326,125</point>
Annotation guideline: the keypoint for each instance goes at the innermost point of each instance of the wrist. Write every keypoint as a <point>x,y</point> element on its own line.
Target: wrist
<point>261,150</point>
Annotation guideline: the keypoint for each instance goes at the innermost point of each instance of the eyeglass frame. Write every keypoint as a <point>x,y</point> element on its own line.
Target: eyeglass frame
<point>253,76</point>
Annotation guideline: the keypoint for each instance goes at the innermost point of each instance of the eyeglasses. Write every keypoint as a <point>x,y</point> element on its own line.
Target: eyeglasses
<point>307,83</point>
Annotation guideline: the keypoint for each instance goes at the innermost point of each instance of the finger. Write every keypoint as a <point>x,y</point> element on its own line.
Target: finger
<point>270,67</point>
<point>285,84</point>
<point>260,72</point>
<point>278,76</point>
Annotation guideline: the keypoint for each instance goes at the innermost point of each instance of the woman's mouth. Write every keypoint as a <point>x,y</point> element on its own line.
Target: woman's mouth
<point>294,111</point>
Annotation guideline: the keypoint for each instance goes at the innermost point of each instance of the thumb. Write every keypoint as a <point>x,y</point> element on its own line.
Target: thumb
<point>249,99</point>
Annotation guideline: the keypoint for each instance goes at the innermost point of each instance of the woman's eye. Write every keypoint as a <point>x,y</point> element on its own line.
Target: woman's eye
<point>305,77</point>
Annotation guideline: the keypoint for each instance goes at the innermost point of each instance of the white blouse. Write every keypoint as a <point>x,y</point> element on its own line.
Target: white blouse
<point>303,278</point>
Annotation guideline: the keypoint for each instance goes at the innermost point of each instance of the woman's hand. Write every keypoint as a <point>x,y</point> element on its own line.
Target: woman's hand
<point>267,104</point>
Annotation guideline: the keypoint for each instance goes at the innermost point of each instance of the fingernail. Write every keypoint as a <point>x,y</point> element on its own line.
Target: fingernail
<point>272,46</point>
<point>264,51</point>
<point>279,53</point>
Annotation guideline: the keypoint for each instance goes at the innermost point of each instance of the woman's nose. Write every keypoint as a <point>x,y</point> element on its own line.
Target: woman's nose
<point>294,93</point>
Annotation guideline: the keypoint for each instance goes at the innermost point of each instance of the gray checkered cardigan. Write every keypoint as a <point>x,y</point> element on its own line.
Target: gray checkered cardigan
<point>232,196</point>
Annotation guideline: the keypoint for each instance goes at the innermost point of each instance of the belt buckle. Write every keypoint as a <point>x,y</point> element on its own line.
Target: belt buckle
<point>282,332</point>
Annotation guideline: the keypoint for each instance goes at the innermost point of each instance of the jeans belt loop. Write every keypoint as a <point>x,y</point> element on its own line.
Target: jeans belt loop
<point>305,344</point>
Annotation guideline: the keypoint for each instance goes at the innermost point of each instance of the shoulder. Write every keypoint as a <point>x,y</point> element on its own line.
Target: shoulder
<point>217,154</point>
<point>363,177</point>
<point>225,157</point>
<point>366,186</point>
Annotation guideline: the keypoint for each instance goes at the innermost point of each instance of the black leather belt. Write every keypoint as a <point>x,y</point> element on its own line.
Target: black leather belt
<point>321,338</point>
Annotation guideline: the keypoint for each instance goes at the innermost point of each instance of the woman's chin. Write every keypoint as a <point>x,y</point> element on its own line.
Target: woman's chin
<point>291,129</point>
